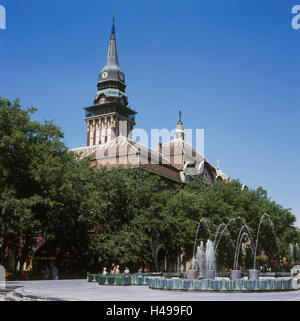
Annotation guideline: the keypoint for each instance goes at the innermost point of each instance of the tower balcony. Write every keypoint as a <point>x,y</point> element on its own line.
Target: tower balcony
<point>111,107</point>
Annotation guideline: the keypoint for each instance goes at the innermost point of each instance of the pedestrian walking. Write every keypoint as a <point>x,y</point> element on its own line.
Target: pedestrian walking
<point>54,272</point>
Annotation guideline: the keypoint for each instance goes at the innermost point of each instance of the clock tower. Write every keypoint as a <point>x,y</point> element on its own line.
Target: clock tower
<point>110,115</point>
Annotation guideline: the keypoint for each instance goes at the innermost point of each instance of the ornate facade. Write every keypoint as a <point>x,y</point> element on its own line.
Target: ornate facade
<point>110,122</point>
<point>110,115</point>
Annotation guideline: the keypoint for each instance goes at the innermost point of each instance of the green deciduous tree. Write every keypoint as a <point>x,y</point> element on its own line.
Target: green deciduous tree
<point>228,200</point>
<point>124,216</point>
<point>40,184</point>
<point>115,215</point>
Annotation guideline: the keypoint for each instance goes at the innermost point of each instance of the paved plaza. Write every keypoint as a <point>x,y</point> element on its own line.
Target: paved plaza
<point>81,290</point>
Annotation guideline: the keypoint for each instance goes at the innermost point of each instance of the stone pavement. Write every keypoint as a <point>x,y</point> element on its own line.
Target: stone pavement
<point>74,290</point>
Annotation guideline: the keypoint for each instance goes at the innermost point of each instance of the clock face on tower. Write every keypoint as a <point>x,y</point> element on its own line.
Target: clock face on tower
<point>121,76</point>
<point>104,74</point>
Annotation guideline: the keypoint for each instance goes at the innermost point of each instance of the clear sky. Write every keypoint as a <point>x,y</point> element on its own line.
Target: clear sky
<point>232,67</point>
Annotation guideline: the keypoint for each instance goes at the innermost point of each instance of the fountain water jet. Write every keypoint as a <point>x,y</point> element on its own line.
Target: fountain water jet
<point>239,241</point>
<point>198,262</point>
<point>210,257</point>
<point>210,260</point>
<point>297,253</point>
<point>291,253</point>
<point>204,262</point>
<point>226,228</point>
<point>272,225</point>
<point>199,224</point>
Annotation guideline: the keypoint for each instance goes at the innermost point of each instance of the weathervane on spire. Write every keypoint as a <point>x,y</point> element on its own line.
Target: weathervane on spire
<point>218,164</point>
<point>180,113</point>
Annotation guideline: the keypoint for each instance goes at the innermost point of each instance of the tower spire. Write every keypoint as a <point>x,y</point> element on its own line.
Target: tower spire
<point>180,114</point>
<point>112,54</point>
<point>109,116</point>
<point>111,74</point>
<point>113,26</point>
<point>179,131</point>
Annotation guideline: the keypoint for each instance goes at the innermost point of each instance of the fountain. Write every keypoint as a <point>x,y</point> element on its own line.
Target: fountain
<point>217,240</point>
<point>254,274</point>
<point>291,253</point>
<point>297,259</point>
<point>240,237</point>
<point>201,274</point>
<point>225,227</point>
<point>207,227</point>
<point>207,261</point>
<point>196,262</point>
<point>210,260</point>
<point>204,262</point>
<point>236,273</point>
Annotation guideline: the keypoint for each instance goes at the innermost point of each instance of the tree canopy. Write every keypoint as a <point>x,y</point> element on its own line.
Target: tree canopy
<point>104,216</point>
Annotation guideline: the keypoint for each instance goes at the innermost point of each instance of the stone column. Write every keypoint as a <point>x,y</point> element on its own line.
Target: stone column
<point>105,130</point>
<point>97,132</point>
<point>88,132</point>
<point>100,132</point>
<point>94,132</point>
<point>113,129</point>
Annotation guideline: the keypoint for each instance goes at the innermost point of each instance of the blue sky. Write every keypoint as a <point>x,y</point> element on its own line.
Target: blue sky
<point>232,67</point>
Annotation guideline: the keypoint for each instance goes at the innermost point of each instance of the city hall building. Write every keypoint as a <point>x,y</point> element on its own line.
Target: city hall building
<point>110,122</point>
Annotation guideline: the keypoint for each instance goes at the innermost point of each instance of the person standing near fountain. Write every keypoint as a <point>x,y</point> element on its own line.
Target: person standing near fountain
<point>114,267</point>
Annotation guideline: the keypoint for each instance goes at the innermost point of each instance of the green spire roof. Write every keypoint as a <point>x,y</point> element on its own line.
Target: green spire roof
<point>112,71</point>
